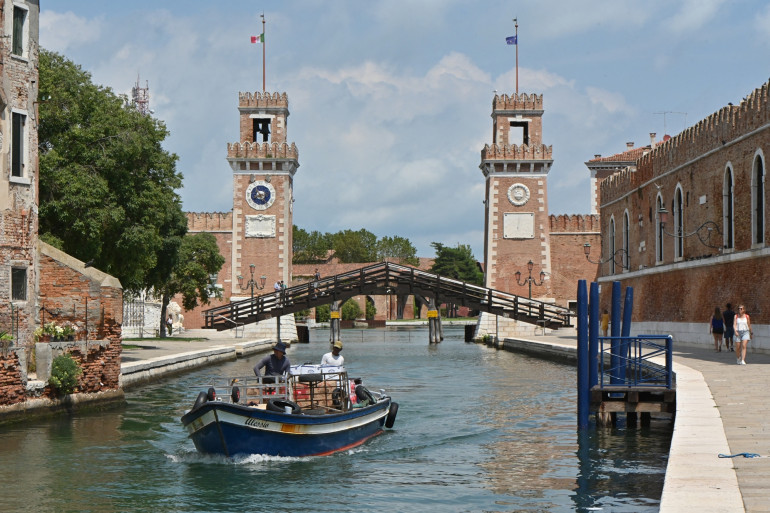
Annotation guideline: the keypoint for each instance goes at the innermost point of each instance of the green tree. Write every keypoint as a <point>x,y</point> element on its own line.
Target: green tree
<point>397,249</point>
<point>107,187</point>
<point>350,246</point>
<point>322,313</point>
<point>350,310</point>
<point>310,247</point>
<point>198,259</point>
<point>457,263</point>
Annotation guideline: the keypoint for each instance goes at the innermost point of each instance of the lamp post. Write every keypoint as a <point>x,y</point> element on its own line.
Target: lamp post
<point>530,280</point>
<point>679,232</point>
<point>251,283</point>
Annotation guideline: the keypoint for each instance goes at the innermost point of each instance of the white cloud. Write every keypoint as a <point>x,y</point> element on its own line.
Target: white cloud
<point>693,15</point>
<point>63,31</point>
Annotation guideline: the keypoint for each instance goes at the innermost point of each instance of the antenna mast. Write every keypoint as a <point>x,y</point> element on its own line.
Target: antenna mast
<point>140,97</point>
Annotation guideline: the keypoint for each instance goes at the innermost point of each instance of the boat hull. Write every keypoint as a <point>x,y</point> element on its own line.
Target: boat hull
<point>230,430</point>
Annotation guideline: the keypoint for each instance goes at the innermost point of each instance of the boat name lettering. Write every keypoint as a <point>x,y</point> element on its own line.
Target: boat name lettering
<point>257,423</point>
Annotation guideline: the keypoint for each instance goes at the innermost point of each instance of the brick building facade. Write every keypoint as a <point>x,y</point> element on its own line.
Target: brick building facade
<point>37,282</point>
<point>711,246</point>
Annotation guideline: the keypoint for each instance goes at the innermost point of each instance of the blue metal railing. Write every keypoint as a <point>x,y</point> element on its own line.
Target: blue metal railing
<point>626,361</point>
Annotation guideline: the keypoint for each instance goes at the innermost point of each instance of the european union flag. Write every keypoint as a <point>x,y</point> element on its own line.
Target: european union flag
<point>512,40</point>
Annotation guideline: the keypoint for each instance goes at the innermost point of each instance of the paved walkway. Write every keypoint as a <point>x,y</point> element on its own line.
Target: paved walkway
<point>722,407</point>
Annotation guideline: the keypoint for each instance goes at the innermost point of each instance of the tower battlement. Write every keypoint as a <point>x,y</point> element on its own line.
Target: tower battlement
<point>263,100</point>
<point>262,150</point>
<point>516,152</point>
<point>515,101</point>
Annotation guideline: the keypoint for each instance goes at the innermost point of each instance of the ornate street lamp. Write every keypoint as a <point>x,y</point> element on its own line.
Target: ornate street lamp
<point>251,284</point>
<point>530,280</point>
<point>622,252</point>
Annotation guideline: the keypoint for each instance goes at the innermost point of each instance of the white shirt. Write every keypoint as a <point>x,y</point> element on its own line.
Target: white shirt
<point>330,359</point>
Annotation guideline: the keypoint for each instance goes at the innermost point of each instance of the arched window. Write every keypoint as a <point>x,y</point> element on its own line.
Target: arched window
<point>728,224</point>
<point>658,230</point>
<point>626,257</point>
<point>678,224</point>
<point>758,201</point>
<point>611,245</point>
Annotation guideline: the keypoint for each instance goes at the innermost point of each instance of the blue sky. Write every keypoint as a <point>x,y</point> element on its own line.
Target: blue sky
<point>390,101</point>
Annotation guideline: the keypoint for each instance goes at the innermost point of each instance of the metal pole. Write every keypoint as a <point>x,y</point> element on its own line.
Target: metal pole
<point>583,391</point>
<point>593,336</point>
<point>615,332</point>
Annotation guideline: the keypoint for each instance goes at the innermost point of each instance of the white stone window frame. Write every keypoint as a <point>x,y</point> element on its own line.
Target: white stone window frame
<point>728,208</point>
<point>24,179</point>
<point>679,228</point>
<point>757,195</point>
<point>24,31</point>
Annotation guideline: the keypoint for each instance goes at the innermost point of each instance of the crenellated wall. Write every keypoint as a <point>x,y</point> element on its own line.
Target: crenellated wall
<point>515,101</point>
<point>710,134</point>
<point>575,223</point>
<point>263,100</point>
<point>209,221</point>
<point>516,152</point>
<point>262,150</point>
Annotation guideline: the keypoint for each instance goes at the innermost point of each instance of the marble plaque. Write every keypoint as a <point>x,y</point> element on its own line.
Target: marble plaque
<point>261,226</point>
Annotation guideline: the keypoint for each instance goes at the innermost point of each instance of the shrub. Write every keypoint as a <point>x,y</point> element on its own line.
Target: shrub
<point>64,374</point>
<point>350,310</point>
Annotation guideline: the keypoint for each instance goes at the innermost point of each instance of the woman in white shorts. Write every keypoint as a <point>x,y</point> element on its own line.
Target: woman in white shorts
<point>743,333</point>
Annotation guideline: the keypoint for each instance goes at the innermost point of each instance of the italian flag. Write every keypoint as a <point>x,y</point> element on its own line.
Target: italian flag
<point>258,39</point>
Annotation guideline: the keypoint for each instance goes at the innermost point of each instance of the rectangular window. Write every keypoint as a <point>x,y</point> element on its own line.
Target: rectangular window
<point>17,144</point>
<point>19,20</point>
<point>18,284</point>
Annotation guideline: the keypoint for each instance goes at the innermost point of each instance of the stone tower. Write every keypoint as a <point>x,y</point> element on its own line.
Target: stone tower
<point>263,165</point>
<point>515,168</point>
<point>516,223</point>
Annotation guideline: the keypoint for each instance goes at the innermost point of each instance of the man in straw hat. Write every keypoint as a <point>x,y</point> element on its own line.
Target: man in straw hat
<point>334,358</point>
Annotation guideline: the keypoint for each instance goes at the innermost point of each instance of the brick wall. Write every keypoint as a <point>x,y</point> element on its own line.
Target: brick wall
<point>686,288</point>
<point>91,300</point>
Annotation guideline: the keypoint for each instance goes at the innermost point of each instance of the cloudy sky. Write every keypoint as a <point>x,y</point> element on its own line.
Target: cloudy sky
<point>390,101</point>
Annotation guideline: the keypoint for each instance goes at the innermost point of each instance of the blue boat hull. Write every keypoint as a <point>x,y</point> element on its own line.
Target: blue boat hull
<point>231,429</point>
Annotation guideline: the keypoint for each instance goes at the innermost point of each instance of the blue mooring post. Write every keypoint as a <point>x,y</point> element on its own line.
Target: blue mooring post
<point>593,336</point>
<point>616,377</point>
<point>625,348</point>
<point>583,391</point>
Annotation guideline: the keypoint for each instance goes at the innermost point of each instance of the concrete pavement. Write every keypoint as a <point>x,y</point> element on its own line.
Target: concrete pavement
<point>721,409</point>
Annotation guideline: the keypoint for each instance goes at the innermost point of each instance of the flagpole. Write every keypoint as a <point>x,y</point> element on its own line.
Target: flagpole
<point>516,24</point>
<point>264,43</point>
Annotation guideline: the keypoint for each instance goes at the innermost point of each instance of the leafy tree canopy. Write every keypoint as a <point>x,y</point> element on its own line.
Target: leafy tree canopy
<point>351,247</point>
<point>199,258</point>
<point>310,247</point>
<point>107,187</point>
<point>457,263</point>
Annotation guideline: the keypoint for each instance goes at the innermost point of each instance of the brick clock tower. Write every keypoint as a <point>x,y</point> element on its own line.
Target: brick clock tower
<point>516,226</point>
<point>263,166</point>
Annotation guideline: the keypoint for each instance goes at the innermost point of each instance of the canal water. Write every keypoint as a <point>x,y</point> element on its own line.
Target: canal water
<point>477,430</point>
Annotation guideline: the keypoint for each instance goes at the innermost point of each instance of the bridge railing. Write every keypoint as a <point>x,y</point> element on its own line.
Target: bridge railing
<point>627,361</point>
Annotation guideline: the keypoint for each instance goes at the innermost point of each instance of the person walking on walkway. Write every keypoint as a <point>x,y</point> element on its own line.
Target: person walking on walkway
<point>728,316</point>
<point>743,333</point>
<point>717,328</point>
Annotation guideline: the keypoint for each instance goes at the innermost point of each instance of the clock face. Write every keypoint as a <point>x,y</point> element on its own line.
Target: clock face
<point>260,195</point>
<point>518,194</point>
